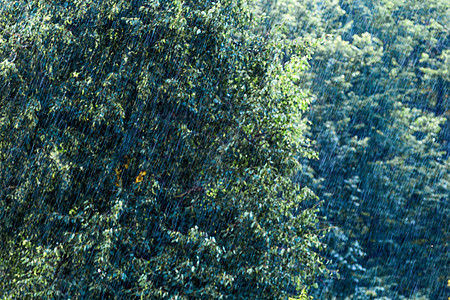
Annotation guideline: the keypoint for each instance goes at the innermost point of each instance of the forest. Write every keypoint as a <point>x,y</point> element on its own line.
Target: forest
<point>226,149</point>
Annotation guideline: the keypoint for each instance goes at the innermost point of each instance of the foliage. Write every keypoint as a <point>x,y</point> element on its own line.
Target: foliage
<point>147,150</point>
<point>380,118</point>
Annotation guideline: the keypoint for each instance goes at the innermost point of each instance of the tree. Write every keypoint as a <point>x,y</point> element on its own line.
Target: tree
<point>147,150</point>
<point>380,119</point>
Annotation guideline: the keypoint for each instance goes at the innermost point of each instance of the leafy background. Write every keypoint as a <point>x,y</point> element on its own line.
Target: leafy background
<point>224,150</point>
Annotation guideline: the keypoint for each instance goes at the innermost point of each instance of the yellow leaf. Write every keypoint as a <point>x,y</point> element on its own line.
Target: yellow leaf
<point>118,171</point>
<point>118,179</point>
<point>140,177</point>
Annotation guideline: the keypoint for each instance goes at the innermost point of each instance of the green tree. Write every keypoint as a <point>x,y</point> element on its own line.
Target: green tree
<point>147,150</point>
<point>380,118</point>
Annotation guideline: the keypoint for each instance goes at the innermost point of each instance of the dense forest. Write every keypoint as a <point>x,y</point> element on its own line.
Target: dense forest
<point>380,119</point>
<point>228,149</point>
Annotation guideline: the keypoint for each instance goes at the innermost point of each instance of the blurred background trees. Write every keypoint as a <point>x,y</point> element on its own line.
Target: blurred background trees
<point>380,116</point>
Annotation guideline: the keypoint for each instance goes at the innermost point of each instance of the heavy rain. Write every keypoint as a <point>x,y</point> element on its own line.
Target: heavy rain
<point>227,149</point>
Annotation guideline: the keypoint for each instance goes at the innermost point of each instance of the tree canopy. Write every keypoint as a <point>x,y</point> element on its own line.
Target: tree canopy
<point>147,150</point>
<point>173,149</point>
<point>380,116</point>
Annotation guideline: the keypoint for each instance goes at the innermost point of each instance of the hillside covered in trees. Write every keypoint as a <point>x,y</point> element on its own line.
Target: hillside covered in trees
<point>266,149</point>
